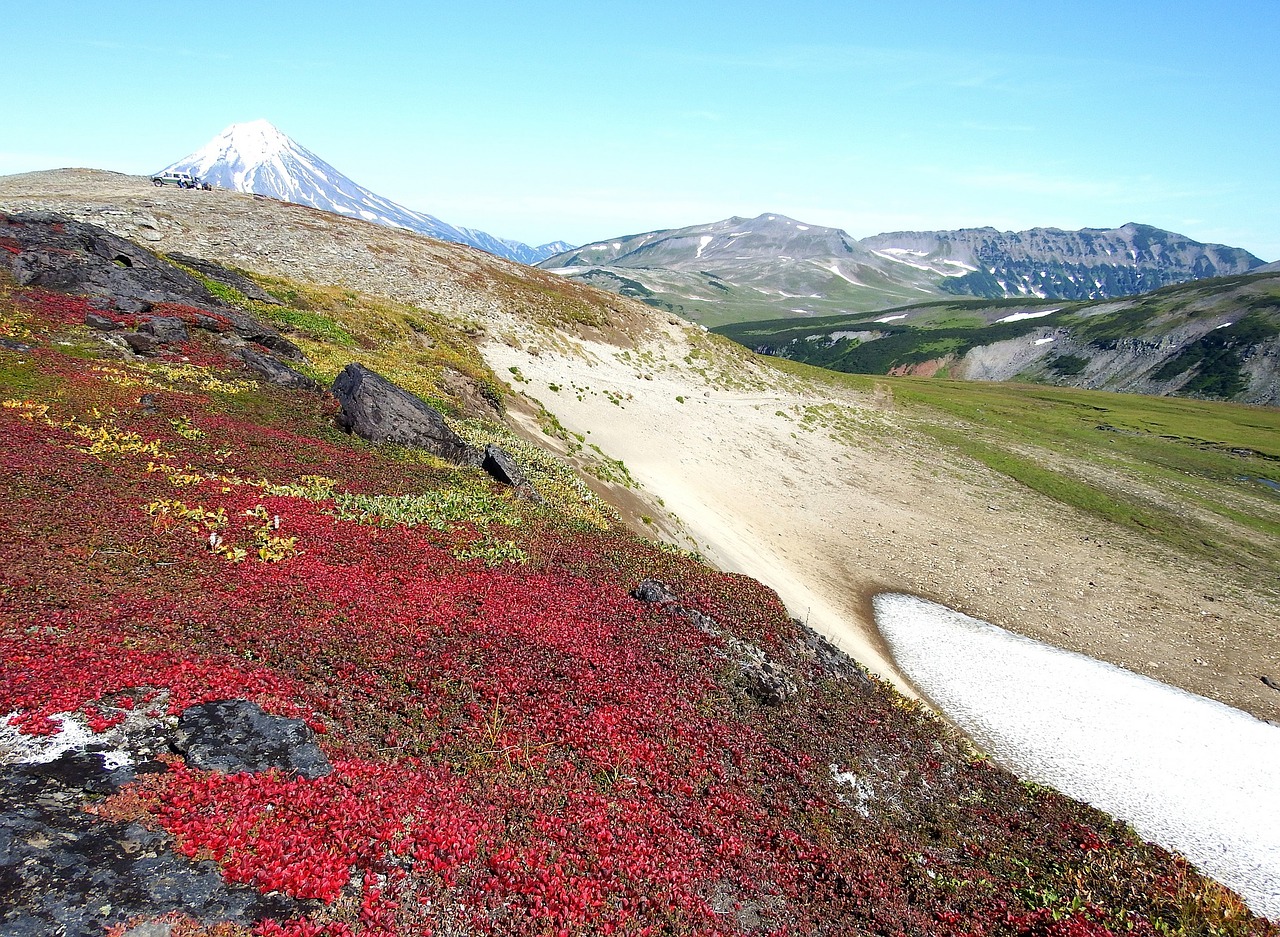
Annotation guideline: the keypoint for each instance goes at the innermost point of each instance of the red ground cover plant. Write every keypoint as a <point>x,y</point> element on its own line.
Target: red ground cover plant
<point>517,749</point>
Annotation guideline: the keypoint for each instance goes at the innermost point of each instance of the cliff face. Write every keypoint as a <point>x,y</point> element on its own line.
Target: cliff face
<point>1092,263</point>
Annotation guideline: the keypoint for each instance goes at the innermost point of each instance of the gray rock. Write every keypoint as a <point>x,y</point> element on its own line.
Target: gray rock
<point>764,680</point>
<point>377,410</point>
<point>65,872</point>
<point>234,736</point>
<point>276,342</point>
<point>129,306</point>
<point>165,329</point>
<point>652,590</point>
<point>250,329</point>
<point>149,929</point>
<point>141,343</point>
<point>12,344</point>
<point>221,274</point>
<point>272,371</point>
<point>101,323</point>
<point>211,323</point>
<point>498,463</point>
<point>73,257</point>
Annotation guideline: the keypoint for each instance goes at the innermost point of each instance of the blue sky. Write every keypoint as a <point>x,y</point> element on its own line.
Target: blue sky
<point>587,120</point>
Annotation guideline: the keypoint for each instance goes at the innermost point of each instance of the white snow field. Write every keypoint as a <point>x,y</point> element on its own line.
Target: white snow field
<point>1186,772</point>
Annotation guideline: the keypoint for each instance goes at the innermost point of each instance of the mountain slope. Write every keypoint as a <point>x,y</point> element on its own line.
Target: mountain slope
<point>772,266</point>
<point>1217,338</point>
<point>1145,546</point>
<point>1092,263</point>
<point>257,158</point>
<point>740,267</point>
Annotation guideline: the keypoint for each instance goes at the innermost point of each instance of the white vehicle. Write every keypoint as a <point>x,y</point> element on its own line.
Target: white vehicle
<point>183,180</point>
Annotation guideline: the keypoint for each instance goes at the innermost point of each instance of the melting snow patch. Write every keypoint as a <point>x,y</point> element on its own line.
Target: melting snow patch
<point>860,792</point>
<point>1224,325</point>
<point>802,227</point>
<point>702,243</point>
<point>15,747</point>
<point>844,276</point>
<point>1019,316</point>
<point>1188,773</point>
<point>1044,341</point>
<point>891,318</point>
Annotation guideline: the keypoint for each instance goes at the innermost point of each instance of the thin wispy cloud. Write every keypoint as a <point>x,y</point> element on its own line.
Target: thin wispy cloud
<point>162,51</point>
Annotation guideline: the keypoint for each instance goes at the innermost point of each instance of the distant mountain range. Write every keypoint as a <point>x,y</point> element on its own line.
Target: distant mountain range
<point>255,157</point>
<point>773,266</point>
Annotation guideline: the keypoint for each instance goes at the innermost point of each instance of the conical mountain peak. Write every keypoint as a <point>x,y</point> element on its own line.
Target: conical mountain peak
<point>257,157</point>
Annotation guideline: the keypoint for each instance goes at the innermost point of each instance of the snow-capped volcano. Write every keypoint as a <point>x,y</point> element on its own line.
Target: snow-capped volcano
<point>256,157</point>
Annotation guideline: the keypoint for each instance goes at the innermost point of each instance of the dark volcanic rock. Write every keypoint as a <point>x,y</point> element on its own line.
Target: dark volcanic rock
<point>221,274</point>
<point>60,254</point>
<point>651,590</point>
<point>764,680</point>
<point>499,464</point>
<point>236,735</point>
<point>250,329</point>
<point>130,307</point>
<point>379,411</point>
<point>142,343</point>
<point>65,872</point>
<point>12,344</point>
<point>272,371</point>
<point>101,323</point>
<point>72,257</point>
<point>165,329</point>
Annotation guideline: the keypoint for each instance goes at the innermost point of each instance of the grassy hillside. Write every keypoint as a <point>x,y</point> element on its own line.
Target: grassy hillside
<point>1201,479</point>
<point>1211,338</point>
<point>518,745</point>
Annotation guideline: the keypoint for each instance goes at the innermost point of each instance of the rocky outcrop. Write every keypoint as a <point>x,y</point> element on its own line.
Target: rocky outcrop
<point>66,871</point>
<point>273,371</point>
<point>375,409</point>
<point>380,411</point>
<point>53,251</point>
<point>237,281</point>
<point>234,736</point>
<point>763,679</point>
<point>57,253</point>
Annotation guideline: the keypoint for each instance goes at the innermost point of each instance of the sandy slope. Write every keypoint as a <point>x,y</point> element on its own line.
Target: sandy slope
<point>853,503</point>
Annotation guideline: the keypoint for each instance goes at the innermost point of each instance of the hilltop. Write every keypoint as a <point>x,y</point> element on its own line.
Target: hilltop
<point>566,744</point>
